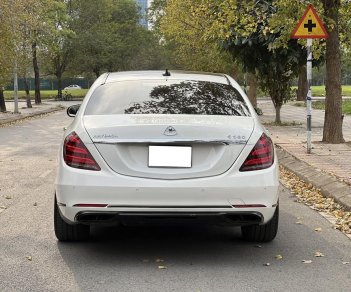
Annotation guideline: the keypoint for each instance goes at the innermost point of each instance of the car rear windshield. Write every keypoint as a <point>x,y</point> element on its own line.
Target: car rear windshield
<point>166,97</point>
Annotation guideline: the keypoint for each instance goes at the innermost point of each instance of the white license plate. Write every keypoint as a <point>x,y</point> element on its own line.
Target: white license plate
<point>170,156</point>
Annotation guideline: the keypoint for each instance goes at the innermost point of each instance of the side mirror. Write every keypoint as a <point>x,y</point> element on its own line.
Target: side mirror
<point>72,110</point>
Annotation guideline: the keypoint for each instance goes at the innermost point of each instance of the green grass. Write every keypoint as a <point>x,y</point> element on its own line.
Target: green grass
<point>346,105</point>
<point>318,105</point>
<point>320,90</point>
<point>46,94</point>
<point>283,124</point>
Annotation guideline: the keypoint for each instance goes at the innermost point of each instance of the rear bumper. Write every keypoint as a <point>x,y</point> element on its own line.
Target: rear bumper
<point>108,217</point>
<point>230,215</point>
<point>138,197</point>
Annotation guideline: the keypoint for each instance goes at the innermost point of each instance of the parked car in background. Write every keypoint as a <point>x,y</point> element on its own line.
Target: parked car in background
<point>170,145</point>
<point>73,86</point>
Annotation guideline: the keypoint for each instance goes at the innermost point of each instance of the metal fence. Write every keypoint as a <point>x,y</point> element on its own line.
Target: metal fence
<point>51,84</point>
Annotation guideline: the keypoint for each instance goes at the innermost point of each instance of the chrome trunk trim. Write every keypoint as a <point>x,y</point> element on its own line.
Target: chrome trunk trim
<point>155,141</point>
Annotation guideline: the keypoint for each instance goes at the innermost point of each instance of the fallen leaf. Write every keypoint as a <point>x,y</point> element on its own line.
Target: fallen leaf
<point>279,257</point>
<point>318,229</point>
<point>312,197</point>
<point>307,261</point>
<point>267,264</point>
<point>298,222</point>
<point>3,207</point>
<point>7,197</point>
<point>318,254</point>
<point>345,263</point>
<point>162,267</point>
<point>29,258</point>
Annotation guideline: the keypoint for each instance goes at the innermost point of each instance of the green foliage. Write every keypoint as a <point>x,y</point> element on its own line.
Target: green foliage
<point>7,42</point>
<point>156,12</point>
<point>254,32</point>
<point>183,32</point>
<point>57,38</point>
<point>248,37</point>
<point>112,40</point>
<point>275,68</point>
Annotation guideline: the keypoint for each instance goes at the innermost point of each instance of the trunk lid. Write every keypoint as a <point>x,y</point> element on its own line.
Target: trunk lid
<point>123,141</point>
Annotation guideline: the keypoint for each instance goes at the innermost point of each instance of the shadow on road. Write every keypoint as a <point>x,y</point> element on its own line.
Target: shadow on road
<point>183,245</point>
<point>203,258</point>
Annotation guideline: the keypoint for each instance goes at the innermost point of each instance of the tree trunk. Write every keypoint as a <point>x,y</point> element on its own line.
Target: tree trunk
<point>302,86</point>
<point>36,74</point>
<point>252,93</point>
<point>277,114</point>
<point>59,85</point>
<point>234,73</point>
<point>97,72</point>
<point>332,131</point>
<point>26,88</point>
<point>2,100</point>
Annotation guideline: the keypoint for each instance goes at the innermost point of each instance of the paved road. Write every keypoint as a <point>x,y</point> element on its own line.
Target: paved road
<point>123,259</point>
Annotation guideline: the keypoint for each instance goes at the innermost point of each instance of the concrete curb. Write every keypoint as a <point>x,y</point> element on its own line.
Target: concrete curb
<point>20,117</point>
<point>328,184</point>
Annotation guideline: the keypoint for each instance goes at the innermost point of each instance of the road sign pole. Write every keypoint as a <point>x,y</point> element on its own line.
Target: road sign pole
<point>309,95</point>
<point>310,26</point>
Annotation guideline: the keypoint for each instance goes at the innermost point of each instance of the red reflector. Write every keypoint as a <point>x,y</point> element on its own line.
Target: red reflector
<point>77,155</point>
<point>261,156</point>
<point>90,205</point>
<point>249,206</point>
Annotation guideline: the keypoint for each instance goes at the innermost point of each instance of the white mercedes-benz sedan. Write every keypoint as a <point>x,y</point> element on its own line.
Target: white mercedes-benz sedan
<point>166,145</point>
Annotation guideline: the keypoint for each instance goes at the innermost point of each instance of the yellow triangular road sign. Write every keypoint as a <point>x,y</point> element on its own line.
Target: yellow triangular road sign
<point>310,26</point>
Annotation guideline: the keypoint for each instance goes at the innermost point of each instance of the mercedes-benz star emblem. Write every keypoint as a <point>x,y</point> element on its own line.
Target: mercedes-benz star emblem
<point>170,131</point>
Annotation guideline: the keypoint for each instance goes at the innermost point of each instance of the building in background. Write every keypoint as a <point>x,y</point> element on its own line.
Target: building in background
<point>143,4</point>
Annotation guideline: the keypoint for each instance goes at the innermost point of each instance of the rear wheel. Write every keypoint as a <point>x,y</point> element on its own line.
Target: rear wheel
<point>262,233</point>
<point>69,232</point>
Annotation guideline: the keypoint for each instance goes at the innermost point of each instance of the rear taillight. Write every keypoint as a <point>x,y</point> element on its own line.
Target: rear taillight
<point>261,156</point>
<point>77,155</point>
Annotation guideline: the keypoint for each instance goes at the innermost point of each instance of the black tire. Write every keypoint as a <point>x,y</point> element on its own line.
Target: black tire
<point>262,233</point>
<point>69,232</point>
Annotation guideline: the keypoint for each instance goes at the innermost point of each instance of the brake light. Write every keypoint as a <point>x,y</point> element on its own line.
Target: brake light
<point>261,156</point>
<point>77,155</point>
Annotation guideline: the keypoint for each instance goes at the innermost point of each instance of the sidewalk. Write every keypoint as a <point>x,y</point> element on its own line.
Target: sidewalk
<point>45,107</point>
<point>328,167</point>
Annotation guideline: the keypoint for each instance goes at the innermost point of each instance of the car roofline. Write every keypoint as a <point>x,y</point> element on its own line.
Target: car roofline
<point>158,74</point>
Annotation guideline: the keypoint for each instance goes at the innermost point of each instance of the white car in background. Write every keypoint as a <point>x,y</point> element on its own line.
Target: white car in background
<point>72,87</point>
<point>152,144</point>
